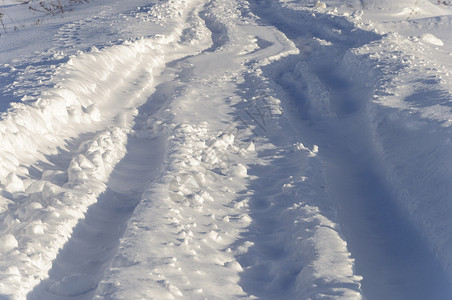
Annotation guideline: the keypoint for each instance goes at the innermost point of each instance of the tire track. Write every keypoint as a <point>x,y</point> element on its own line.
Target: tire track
<point>390,254</point>
<point>81,263</point>
<point>105,87</point>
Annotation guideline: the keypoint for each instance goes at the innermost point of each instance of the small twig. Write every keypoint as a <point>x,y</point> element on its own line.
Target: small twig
<point>61,7</point>
<point>48,9</point>
<point>1,21</point>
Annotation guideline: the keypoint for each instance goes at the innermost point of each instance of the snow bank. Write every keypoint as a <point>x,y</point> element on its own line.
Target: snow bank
<point>50,207</point>
<point>85,87</point>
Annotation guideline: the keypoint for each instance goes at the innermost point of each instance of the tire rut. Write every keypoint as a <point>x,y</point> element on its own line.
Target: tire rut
<point>81,263</point>
<point>390,254</point>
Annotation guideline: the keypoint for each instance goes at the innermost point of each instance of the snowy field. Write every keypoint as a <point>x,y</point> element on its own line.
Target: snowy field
<point>226,149</point>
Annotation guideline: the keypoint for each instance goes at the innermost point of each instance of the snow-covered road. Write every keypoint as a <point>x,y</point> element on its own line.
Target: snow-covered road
<point>204,149</point>
<point>390,254</point>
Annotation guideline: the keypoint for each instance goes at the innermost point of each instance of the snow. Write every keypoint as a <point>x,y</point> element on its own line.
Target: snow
<point>194,149</point>
<point>9,243</point>
<point>430,38</point>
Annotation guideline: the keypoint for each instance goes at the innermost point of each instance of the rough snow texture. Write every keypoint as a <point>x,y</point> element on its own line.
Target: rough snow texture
<point>226,149</point>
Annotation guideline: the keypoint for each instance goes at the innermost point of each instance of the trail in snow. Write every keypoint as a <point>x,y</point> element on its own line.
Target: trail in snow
<point>92,93</point>
<point>80,265</point>
<point>200,223</point>
<point>393,257</point>
<point>390,254</point>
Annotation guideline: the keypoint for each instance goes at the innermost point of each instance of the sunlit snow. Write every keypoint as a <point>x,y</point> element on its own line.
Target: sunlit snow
<point>225,149</point>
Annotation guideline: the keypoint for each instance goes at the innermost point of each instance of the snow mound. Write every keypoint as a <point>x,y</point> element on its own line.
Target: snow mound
<point>431,39</point>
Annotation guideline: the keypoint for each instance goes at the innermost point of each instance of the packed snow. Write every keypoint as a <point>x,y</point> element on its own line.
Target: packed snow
<point>224,149</point>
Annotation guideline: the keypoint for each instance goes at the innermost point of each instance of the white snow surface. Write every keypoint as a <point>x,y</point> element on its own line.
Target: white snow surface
<point>224,149</point>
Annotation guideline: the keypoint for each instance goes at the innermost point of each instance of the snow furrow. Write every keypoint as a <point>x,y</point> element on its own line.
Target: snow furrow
<point>81,263</point>
<point>379,233</point>
<point>409,119</point>
<point>47,212</point>
<point>297,250</point>
<point>191,216</point>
